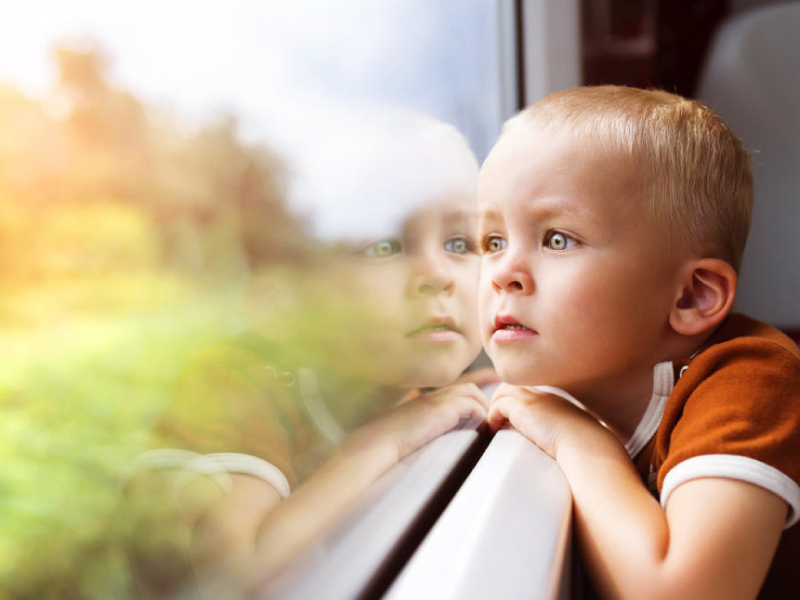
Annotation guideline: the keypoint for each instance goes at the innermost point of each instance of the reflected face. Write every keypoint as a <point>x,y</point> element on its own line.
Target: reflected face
<point>573,292</point>
<point>391,298</point>
<point>424,282</point>
<point>400,310</point>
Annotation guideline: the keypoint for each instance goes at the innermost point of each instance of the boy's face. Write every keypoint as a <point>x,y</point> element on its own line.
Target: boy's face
<point>574,291</point>
<point>401,310</point>
<point>423,283</point>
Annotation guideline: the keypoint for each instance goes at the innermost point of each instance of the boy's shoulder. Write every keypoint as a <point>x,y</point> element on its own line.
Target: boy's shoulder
<point>741,329</point>
<point>235,396</point>
<point>745,358</point>
<point>744,345</point>
<point>734,412</point>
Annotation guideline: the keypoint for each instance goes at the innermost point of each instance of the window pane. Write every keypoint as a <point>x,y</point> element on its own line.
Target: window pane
<point>230,238</point>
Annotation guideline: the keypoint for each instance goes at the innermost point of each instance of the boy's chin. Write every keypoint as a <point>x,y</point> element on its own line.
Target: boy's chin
<point>430,379</point>
<point>440,367</point>
<point>516,376</point>
<point>435,373</point>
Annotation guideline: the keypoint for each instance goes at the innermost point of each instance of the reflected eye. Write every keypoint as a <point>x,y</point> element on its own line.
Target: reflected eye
<point>459,244</point>
<point>382,249</point>
<point>494,243</point>
<point>555,240</point>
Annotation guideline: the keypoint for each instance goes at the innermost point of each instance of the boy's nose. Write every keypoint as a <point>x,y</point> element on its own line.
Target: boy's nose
<point>511,277</point>
<point>430,278</point>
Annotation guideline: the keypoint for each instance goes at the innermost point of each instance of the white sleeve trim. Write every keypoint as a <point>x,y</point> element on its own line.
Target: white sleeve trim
<point>215,466</point>
<point>247,464</point>
<point>742,468</point>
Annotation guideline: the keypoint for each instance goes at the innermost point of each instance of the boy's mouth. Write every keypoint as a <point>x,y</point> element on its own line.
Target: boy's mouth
<point>436,329</point>
<point>507,328</point>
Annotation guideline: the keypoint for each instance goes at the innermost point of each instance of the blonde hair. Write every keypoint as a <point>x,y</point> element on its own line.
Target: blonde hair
<point>691,170</point>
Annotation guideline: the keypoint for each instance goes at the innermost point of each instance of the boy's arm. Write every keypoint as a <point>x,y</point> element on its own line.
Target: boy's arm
<point>716,538</point>
<point>249,534</point>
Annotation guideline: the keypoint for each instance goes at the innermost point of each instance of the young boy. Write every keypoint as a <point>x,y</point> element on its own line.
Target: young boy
<point>612,223</point>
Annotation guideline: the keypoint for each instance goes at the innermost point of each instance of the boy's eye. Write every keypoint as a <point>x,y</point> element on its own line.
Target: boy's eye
<point>494,243</point>
<point>459,244</point>
<point>382,249</point>
<point>555,240</point>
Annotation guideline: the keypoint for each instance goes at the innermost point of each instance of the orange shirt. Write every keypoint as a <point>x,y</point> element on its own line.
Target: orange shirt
<point>232,399</point>
<point>734,412</point>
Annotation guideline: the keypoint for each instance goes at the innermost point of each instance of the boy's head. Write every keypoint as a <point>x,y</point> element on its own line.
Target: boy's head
<point>691,171</point>
<point>389,199</point>
<point>418,273</point>
<point>422,282</point>
<point>612,222</point>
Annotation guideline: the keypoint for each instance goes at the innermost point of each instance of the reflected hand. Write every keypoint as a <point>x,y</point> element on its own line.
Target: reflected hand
<point>426,416</point>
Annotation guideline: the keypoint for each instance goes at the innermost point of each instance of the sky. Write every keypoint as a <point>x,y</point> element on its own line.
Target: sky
<point>272,62</point>
<point>246,54</point>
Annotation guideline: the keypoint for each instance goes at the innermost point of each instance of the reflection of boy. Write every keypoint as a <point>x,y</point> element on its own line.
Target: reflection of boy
<point>613,222</point>
<point>406,319</point>
<point>391,315</point>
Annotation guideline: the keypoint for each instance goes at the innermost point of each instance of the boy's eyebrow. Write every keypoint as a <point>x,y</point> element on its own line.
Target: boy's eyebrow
<point>546,208</point>
<point>460,217</point>
<point>549,207</point>
<point>557,206</point>
<point>450,219</point>
<point>491,215</point>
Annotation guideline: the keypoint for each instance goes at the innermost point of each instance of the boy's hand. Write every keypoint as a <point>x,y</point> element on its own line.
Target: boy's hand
<point>424,417</point>
<point>544,418</point>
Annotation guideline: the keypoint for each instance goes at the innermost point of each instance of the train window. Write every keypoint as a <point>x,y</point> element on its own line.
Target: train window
<point>226,232</point>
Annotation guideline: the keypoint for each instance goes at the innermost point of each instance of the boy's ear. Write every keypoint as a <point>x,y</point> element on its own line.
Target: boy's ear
<point>705,298</point>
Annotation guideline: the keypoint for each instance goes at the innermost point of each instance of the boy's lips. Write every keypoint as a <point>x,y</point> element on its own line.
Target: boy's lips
<point>508,329</point>
<point>436,329</point>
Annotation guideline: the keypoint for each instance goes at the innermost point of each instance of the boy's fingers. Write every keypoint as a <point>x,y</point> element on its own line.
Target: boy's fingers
<point>469,402</point>
<point>497,416</point>
<point>466,390</point>
<point>476,393</point>
<point>473,406</point>
<point>503,390</point>
<point>462,401</point>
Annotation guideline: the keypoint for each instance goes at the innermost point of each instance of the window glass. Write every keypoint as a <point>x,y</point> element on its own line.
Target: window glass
<point>233,236</point>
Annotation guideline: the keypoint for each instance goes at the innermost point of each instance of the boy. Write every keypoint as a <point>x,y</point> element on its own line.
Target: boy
<point>612,223</point>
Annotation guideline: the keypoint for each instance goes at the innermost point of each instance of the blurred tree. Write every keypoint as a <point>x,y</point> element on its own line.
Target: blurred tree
<point>214,203</point>
<point>113,213</point>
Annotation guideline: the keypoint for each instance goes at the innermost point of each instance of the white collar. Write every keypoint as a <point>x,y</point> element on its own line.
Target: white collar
<point>663,383</point>
<point>315,407</point>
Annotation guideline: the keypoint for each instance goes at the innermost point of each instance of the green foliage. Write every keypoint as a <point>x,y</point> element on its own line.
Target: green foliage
<point>78,404</point>
<point>125,241</point>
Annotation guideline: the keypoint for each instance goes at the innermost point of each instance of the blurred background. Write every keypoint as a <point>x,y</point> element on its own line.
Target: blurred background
<point>146,159</point>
